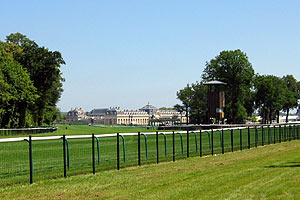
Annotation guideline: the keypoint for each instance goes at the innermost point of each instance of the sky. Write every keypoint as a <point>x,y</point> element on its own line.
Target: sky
<point>128,53</point>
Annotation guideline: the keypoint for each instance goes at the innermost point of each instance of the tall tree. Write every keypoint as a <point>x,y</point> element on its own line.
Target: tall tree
<point>291,94</point>
<point>233,68</point>
<point>199,103</point>
<point>16,89</point>
<point>185,95</point>
<point>270,93</point>
<point>44,69</point>
<point>194,100</point>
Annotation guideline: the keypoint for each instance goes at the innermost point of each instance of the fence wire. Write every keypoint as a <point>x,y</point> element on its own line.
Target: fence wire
<point>52,157</point>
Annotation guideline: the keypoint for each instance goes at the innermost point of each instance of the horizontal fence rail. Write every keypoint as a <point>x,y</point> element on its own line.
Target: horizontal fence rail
<point>26,159</point>
<point>23,131</point>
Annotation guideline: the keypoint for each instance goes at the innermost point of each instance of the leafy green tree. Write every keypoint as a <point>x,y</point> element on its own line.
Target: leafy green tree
<point>16,87</point>
<point>43,67</point>
<point>292,95</point>
<point>233,68</point>
<point>185,95</point>
<point>194,100</point>
<point>199,103</point>
<point>298,92</point>
<point>270,93</point>
<point>250,103</point>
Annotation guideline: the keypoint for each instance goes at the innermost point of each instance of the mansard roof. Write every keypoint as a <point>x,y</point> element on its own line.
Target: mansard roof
<point>101,111</point>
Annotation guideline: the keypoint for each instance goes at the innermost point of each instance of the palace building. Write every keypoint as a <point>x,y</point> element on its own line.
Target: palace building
<point>76,114</point>
<point>147,115</point>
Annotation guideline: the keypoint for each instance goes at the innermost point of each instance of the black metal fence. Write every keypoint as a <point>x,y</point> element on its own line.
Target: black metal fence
<point>36,158</point>
<point>25,131</point>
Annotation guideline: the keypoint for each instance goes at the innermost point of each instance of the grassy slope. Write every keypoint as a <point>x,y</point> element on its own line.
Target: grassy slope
<point>269,172</point>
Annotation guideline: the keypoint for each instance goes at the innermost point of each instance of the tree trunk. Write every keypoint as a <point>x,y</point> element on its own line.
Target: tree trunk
<point>22,111</point>
<point>233,106</point>
<point>270,117</point>
<point>6,117</point>
<point>287,115</point>
<point>5,120</point>
<point>264,117</point>
<point>198,118</point>
<point>277,112</point>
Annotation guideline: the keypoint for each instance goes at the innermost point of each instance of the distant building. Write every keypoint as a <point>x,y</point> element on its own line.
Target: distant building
<point>292,118</point>
<point>168,117</point>
<point>147,115</point>
<point>76,114</point>
<point>151,110</point>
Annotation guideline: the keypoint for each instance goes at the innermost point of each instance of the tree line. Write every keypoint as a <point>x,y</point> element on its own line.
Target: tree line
<point>245,91</point>
<point>30,82</point>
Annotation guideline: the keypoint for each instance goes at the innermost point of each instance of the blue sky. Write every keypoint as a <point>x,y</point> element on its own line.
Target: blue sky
<point>128,53</point>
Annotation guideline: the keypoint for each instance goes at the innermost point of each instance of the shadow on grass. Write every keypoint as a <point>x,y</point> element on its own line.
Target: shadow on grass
<point>289,164</point>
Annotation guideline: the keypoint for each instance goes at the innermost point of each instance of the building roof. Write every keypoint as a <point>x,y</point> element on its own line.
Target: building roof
<point>148,107</point>
<point>102,111</point>
<point>214,83</point>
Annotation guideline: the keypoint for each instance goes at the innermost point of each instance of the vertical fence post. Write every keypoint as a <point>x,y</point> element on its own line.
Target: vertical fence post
<point>231,134</point>
<point>297,131</point>
<point>279,133</point>
<point>93,153</point>
<point>274,134</point>
<point>262,136</point>
<point>118,151</point>
<point>64,154</point>
<point>30,160</point>
<point>139,148</point>
<point>241,140</point>
<point>173,142</point>
<point>188,143</point>
<point>200,136</point>
<point>289,132</point>
<point>294,131</point>
<point>222,141</point>
<point>285,132</point>
<point>98,149</point>
<point>294,135</point>
<point>157,152</point>
<point>256,136</point>
<point>212,142</point>
<point>249,142</point>
<point>269,134</point>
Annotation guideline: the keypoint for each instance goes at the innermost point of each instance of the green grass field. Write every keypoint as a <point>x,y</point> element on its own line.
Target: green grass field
<point>269,172</point>
<point>48,154</point>
<point>86,130</point>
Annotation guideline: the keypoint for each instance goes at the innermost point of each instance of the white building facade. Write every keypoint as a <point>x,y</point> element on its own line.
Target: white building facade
<point>147,115</point>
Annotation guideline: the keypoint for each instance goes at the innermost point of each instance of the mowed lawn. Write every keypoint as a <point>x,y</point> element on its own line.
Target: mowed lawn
<point>86,130</point>
<point>269,172</point>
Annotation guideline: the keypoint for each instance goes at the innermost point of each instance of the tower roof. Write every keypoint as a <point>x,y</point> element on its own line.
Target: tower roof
<point>148,107</point>
<point>214,83</point>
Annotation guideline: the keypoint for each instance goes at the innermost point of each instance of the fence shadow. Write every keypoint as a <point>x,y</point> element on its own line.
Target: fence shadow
<point>286,165</point>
